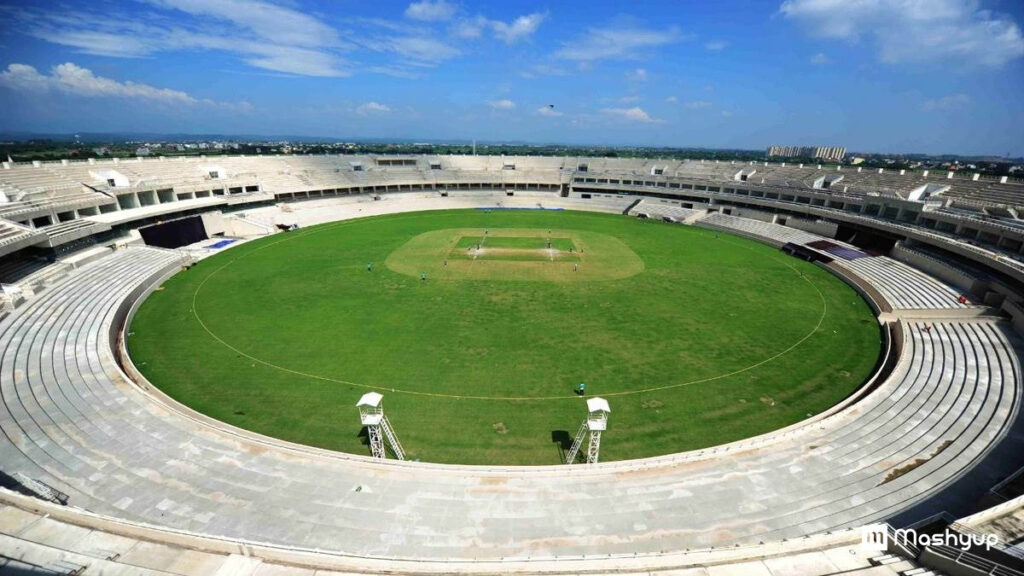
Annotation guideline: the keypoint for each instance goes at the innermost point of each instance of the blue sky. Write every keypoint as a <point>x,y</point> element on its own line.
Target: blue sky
<point>875,75</point>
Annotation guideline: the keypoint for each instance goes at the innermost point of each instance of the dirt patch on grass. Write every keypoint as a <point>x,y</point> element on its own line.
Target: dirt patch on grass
<point>500,428</point>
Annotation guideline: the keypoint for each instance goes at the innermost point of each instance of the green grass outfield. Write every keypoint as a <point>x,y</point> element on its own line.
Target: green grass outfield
<point>694,338</point>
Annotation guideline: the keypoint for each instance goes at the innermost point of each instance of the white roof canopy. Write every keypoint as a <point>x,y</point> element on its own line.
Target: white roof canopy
<point>597,405</point>
<point>373,399</point>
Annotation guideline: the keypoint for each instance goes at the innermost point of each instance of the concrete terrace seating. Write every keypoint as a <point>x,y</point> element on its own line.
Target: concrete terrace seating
<point>14,270</point>
<point>15,236</point>
<point>656,209</point>
<point>903,286</point>
<point>50,193</point>
<point>33,275</point>
<point>81,227</point>
<point>68,418</point>
<point>10,233</point>
<point>776,233</point>
<point>964,269</point>
<point>31,550</point>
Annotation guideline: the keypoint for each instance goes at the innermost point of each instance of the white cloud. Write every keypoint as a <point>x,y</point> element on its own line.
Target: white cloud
<point>470,28</point>
<point>372,108</point>
<point>298,61</point>
<point>69,78</point>
<point>520,28</point>
<point>638,75</point>
<point>726,114</point>
<point>422,49</point>
<point>951,102</point>
<point>819,58</point>
<point>549,111</point>
<point>672,99</point>
<point>509,32</point>
<point>100,43</point>
<point>715,45</point>
<point>272,36</point>
<point>278,24</point>
<point>908,31</point>
<point>625,43</point>
<point>417,46</point>
<point>503,104</point>
<point>635,113</point>
<point>430,11</point>
<point>627,99</point>
<point>697,104</point>
<point>23,77</point>
<point>260,34</point>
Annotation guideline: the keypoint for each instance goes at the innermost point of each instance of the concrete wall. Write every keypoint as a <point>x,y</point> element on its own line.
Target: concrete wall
<point>948,274</point>
<point>1016,312</point>
<point>752,214</point>
<point>241,228</point>
<point>213,222</point>
<point>819,227</point>
<point>936,561</point>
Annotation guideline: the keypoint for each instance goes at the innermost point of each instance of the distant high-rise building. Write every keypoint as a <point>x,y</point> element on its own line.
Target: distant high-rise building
<point>786,151</point>
<point>835,153</point>
<point>830,152</point>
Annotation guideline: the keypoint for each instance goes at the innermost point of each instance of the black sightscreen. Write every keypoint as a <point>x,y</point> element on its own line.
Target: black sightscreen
<point>175,233</point>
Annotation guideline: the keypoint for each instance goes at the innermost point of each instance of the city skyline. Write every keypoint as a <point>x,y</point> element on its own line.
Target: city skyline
<point>900,77</point>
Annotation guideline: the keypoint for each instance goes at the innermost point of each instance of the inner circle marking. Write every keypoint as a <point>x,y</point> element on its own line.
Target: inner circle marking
<point>330,226</point>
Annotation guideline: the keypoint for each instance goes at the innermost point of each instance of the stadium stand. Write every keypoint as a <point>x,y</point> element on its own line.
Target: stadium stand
<point>665,211</point>
<point>765,230</point>
<point>903,286</point>
<point>951,399</point>
<point>155,488</point>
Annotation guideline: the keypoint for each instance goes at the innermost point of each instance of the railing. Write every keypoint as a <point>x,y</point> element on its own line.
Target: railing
<point>958,556</point>
<point>999,545</point>
<point>904,546</point>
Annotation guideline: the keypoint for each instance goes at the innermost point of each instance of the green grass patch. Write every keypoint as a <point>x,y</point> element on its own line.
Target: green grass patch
<point>686,334</point>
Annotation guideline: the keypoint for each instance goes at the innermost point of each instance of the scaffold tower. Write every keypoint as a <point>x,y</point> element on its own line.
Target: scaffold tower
<point>595,423</point>
<point>371,414</point>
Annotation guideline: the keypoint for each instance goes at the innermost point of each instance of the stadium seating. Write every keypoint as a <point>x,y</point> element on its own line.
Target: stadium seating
<point>775,233</point>
<point>903,286</point>
<point>70,419</point>
<point>980,216</point>
<point>663,210</point>
<point>14,237</point>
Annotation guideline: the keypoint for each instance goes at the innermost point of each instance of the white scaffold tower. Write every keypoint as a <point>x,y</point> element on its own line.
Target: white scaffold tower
<point>371,414</point>
<point>596,422</point>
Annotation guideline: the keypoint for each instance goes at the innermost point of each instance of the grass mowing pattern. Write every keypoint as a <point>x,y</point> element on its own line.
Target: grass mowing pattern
<point>697,307</point>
